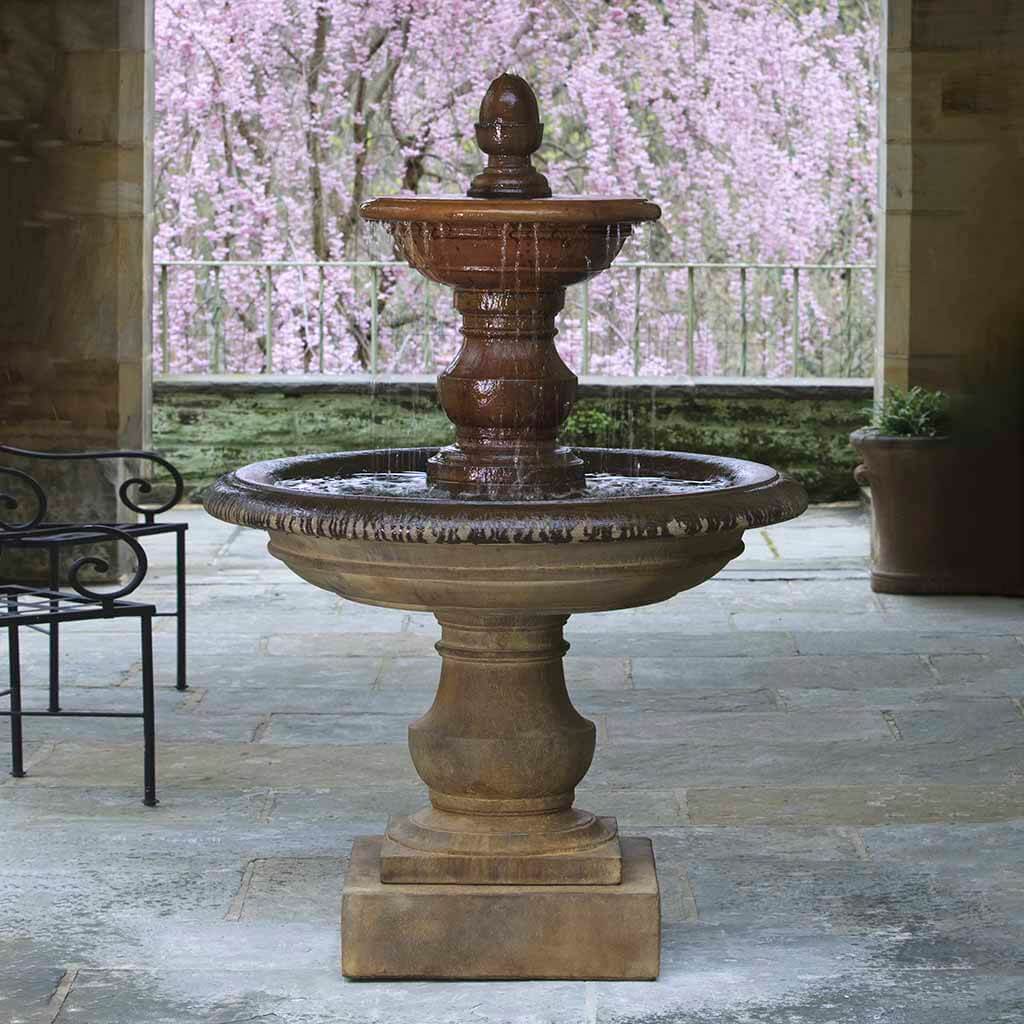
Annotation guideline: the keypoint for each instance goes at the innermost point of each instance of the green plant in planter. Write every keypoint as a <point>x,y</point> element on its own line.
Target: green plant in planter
<point>913,413</point>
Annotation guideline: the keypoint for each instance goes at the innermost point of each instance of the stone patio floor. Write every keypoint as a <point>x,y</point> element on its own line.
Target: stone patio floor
<point>833,780</point>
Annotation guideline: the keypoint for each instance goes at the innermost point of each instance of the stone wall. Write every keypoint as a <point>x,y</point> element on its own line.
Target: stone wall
<point>75,253</point>
<point>208,425</point>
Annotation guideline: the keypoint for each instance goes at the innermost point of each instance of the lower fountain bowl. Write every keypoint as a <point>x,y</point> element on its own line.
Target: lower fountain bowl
<point>556,556</point>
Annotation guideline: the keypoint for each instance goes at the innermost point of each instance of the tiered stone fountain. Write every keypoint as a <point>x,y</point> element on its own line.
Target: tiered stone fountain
<point>503,535</point>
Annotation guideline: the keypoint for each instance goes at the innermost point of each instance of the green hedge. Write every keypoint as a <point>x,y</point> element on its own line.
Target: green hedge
<point>208,425</point>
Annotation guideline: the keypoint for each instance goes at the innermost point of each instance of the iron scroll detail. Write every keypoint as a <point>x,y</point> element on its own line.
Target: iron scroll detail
<point>124,491</point>
<point>93,534</point>
<point>11,503</point>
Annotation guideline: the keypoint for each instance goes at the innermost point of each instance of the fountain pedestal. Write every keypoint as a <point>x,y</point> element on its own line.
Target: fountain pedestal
<point>501,876</point>
<point>501,751</point>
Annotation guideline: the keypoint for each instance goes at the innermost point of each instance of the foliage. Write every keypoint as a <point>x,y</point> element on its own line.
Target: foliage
<point>913,413</point>
<point>590,427</point>
<point>753,124</point>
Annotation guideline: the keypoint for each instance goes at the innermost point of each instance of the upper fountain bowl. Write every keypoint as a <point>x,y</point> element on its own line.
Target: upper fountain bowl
<point>509,244</point>
<point>509,233</point>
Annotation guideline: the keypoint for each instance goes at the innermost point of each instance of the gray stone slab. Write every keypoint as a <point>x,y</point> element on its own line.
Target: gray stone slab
<point>966,721</point>
<point>268,681</point>
<point>327,689</point>
<point>906,640</point>
<point>635,809</point>
<point>300,889</point>
<point>780,672</point>
<point>691,619</point>
<point>28,978</point>
<point>986,759</point>
<point>677,701</point>
<point>71,807</point>
<point>809,595</point>
<point>348,645</point>
<point>981,673</point>
<point>213,593</point>
<point>226,765</point>
<point>308,990</point>
<point>810,727</point>
<point>584,673</point>
<point>855,805</point>
<point>779,889</point>
<point>821,620</point>
<point>675,644</point>
<point>176,717</point>
<point>356,727</point>
<point>400,674</point>
<point>879,697</point>
<point>995,847</point>
<point>362,810</point>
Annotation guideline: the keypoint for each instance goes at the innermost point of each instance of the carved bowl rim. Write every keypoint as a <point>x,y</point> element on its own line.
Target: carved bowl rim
<point>564,210</point>
<point>753,496</point>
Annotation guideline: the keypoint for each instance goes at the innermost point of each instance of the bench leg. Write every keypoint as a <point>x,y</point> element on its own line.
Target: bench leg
<point>148,722</point>
<point>54,552</point>
<point>182,683</point>
<point>18,764</point>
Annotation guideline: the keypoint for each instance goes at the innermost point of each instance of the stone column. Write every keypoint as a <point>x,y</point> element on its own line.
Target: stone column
<point>953,202</point>
<point>75,238</point>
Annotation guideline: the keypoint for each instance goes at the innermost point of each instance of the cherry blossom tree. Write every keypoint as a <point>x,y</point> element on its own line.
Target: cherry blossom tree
<point>752,123</point>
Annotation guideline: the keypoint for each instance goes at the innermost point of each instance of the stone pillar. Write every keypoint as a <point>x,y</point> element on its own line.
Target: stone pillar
<point>75,238</point>
<point>953,200</point>
<point>953,305</point>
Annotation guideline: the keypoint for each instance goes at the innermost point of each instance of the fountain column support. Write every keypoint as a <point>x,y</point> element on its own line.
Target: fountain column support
<point>508,392</point>
<point>501,751</point>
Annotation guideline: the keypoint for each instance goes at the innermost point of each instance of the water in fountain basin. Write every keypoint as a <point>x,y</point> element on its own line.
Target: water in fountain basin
<point>413,484</point>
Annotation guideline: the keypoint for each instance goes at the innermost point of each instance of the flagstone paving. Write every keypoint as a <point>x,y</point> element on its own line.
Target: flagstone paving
<point>833,781</point>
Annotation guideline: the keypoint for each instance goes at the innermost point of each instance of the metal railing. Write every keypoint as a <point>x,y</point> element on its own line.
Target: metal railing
<point>637,268</point>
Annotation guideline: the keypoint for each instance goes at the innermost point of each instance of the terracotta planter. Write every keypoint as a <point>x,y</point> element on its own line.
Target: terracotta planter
<point>946,516</point>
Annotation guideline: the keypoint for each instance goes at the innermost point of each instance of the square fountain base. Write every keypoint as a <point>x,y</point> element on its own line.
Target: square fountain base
<point>477,932</point>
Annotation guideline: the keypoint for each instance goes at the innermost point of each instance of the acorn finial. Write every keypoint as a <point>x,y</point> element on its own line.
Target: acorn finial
<point>509,131</point>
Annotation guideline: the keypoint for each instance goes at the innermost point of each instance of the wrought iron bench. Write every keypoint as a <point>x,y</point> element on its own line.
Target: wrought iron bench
<point>34,608</point>
<point>59,535</point>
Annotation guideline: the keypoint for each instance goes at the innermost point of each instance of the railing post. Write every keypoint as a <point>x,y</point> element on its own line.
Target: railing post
<point>585,326</point>
<point>216,355</point>
<point>796,320</point>
<point>848,318</point>
<point>374,318</point>
<point>691,320</point>
<point>636,322</point>
<point>268,326</point>
<point>320,316</point>
<point>165,351</point>
<point>743,321</point>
